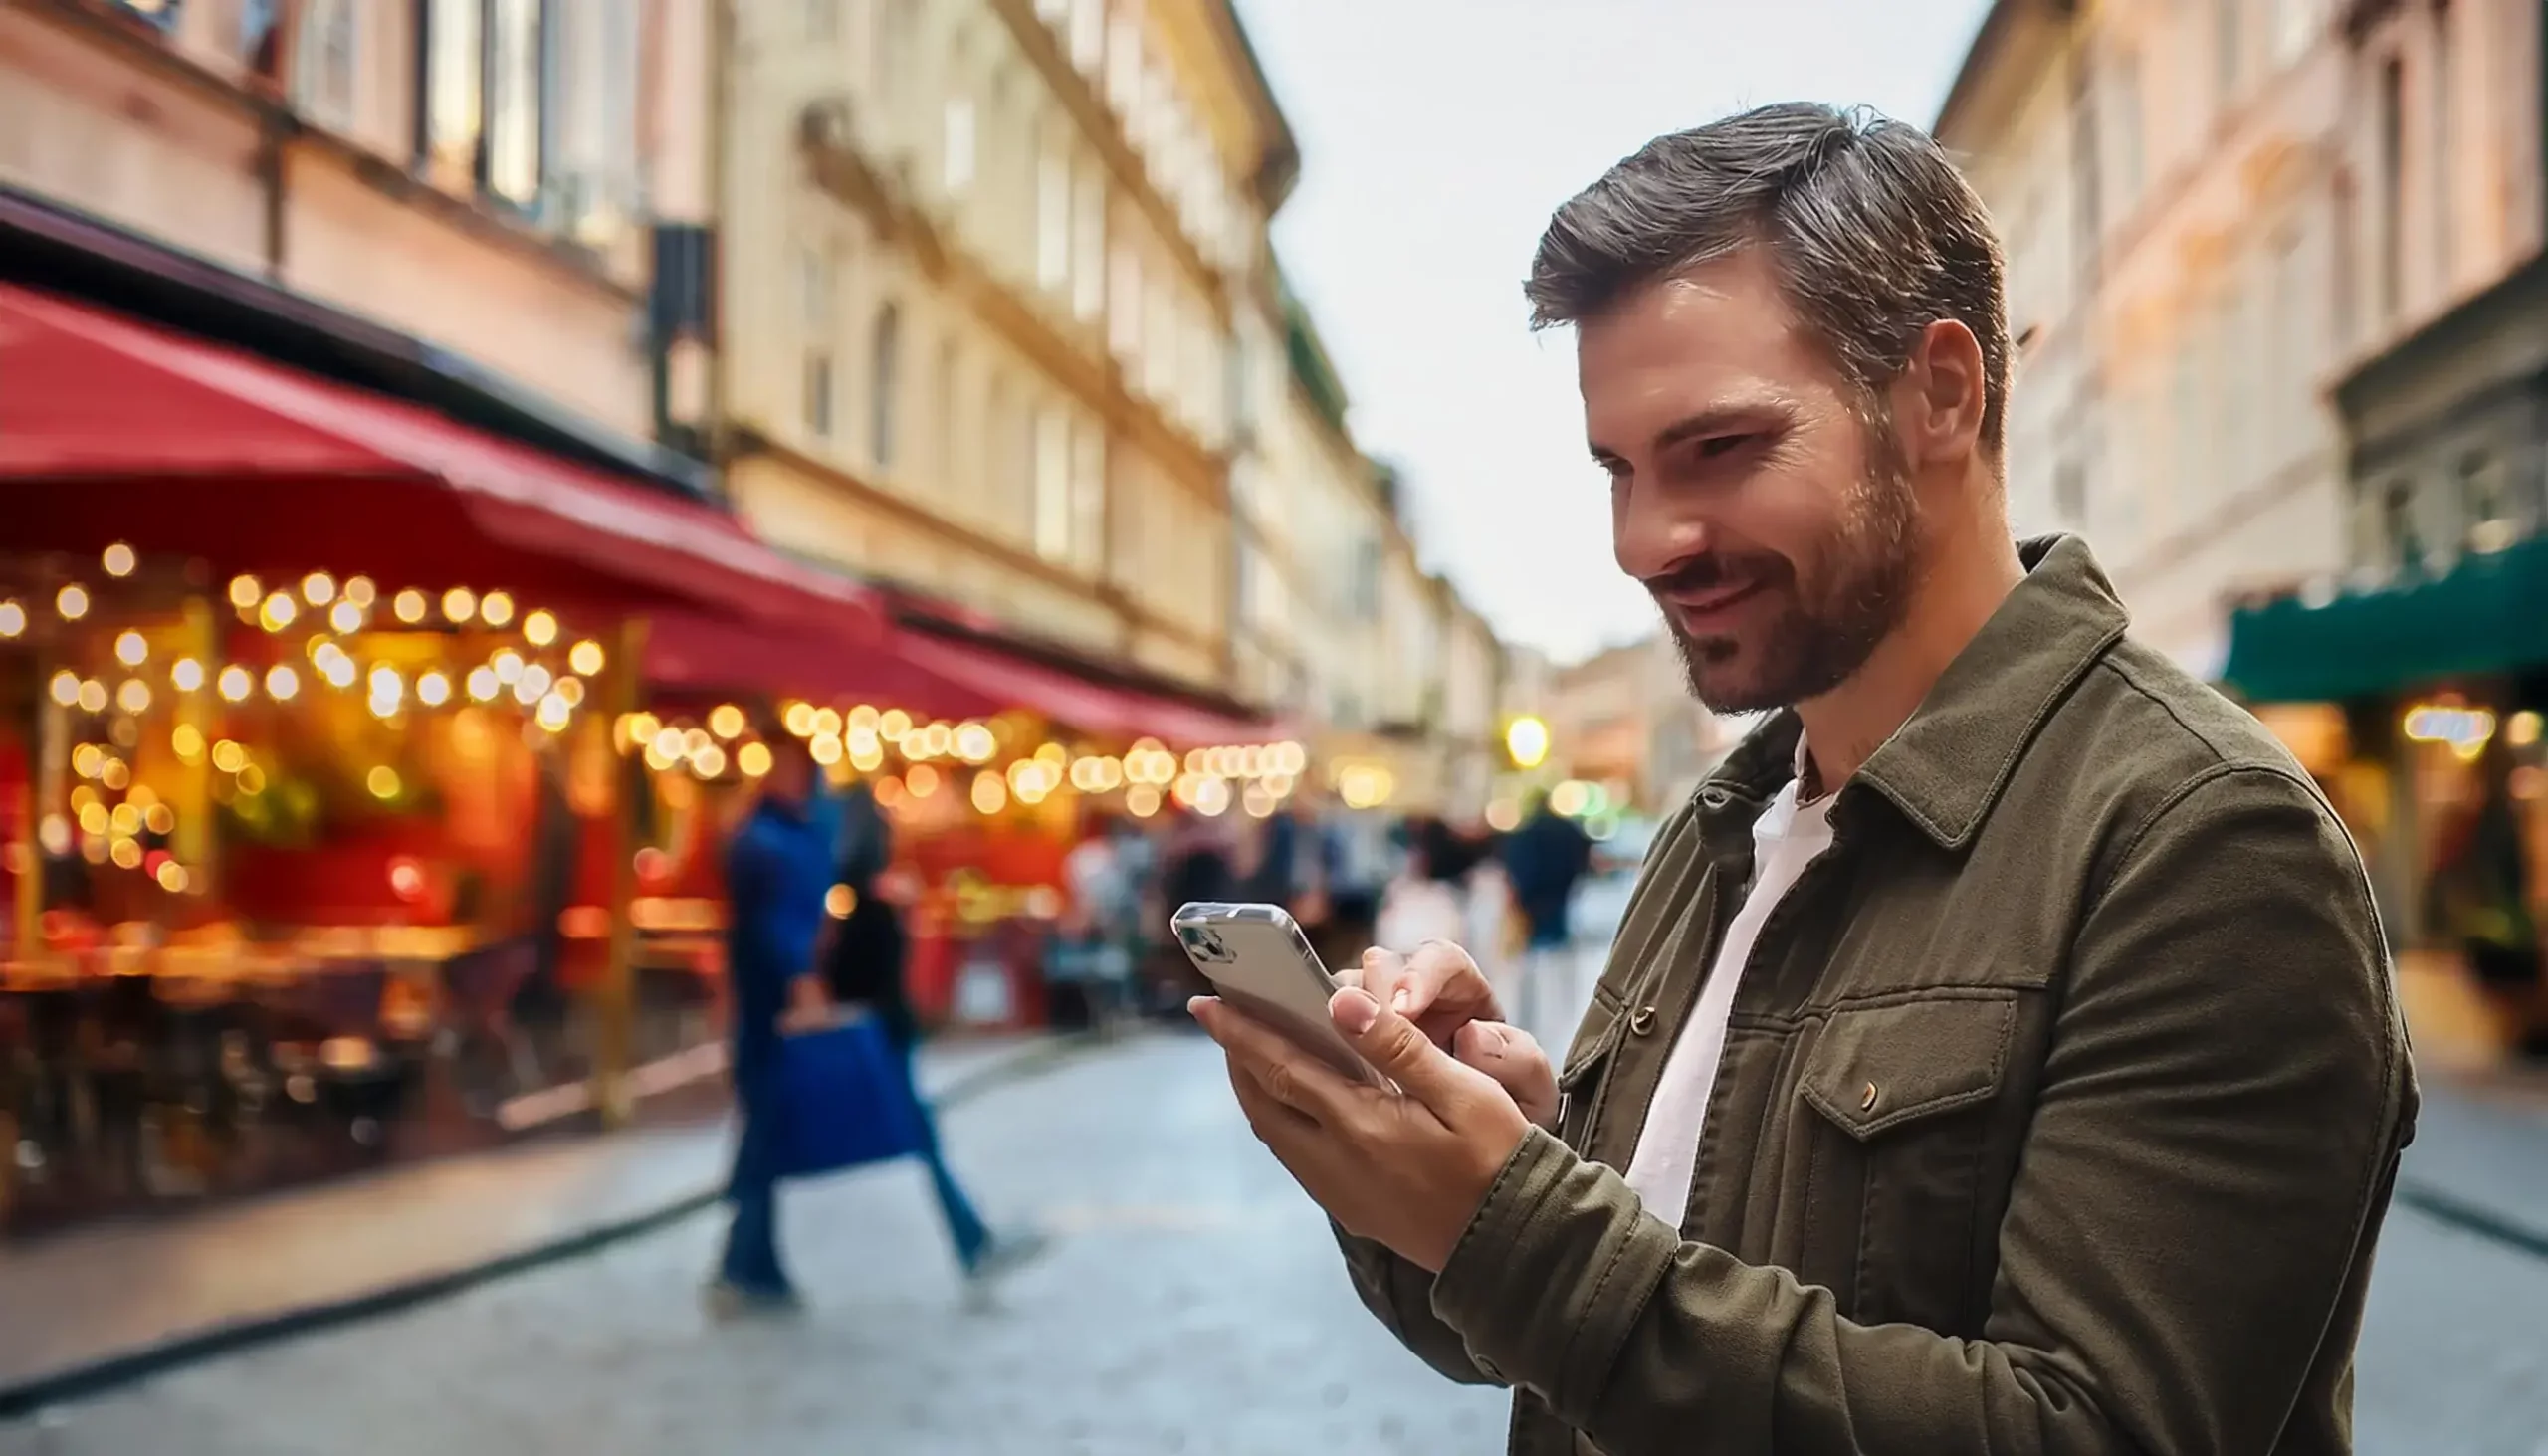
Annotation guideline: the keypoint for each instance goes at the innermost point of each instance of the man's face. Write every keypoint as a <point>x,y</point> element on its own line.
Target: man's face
<point>1772,521</point>
<point>790,780</point>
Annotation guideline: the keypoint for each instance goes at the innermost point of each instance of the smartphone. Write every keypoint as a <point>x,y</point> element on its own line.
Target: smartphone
<point>1258,960</point>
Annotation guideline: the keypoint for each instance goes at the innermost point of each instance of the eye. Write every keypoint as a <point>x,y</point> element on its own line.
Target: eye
<point>1717,446</point>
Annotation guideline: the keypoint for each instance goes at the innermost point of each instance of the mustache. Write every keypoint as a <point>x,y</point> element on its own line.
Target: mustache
<point>1713,570</point>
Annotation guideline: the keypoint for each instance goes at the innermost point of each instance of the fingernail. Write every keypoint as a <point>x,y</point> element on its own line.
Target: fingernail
<point>1404,1000</point>
<point>1355,1011</point>
<point>1195,1006</point>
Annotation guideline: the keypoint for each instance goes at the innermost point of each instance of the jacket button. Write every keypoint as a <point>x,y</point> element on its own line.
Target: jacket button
<point>1643,1021</point>
<point>1867,1098</point>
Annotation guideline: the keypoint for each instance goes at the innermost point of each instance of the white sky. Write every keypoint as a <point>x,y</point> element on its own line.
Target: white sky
<point>1437,136</point>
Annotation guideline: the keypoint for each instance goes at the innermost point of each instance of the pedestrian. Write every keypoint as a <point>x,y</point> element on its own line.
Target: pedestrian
<point>1998,1054</point>
<point>865,967</point>
<point>1545,858</point>
<point>1429,900</point>
<point>778,871</point>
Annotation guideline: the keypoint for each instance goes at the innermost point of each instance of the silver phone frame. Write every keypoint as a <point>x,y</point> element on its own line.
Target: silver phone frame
<point>1305,1025</point>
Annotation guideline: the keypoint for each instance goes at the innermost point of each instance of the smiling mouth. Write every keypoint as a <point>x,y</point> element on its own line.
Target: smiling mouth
<point>1693,608</point>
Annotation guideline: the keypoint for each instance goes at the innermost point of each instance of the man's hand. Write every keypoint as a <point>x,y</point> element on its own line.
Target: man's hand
<point>1517,1061</point>
<point>1407,1168</point>
<point>1440,989</point>
<point>809,1006</point>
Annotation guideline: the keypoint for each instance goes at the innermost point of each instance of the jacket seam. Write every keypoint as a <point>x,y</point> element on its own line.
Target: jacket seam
<point>1565,1377</point>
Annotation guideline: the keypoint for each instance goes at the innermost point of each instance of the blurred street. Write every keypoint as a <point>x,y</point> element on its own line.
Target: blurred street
<point>1192,1303</point>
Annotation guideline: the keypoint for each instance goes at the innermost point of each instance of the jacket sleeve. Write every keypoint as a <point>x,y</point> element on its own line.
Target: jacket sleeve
<point>1401,1296</point>
<point>2223,1100</point>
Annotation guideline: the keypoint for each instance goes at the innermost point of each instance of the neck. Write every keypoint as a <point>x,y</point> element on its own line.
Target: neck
<point>1971,571</point>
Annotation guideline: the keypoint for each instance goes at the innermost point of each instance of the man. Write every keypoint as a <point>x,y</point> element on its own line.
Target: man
<point>2000,1050</point>
<point>1546,857</point>
<point>778,870</point>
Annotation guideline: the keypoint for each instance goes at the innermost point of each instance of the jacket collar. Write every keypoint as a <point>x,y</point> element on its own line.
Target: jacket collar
<point>1945,768</point>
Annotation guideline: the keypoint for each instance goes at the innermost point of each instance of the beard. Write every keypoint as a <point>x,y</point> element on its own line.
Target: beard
<point>1848,596</point>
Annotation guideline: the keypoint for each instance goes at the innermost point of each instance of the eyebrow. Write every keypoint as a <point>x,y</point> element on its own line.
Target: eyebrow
<point>1716,419</point>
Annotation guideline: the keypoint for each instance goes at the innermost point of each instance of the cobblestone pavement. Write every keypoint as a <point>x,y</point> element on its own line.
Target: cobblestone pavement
<point>1193,1304</point>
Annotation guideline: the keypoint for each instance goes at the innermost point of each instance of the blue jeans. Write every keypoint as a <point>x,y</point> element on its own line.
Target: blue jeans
<point>752,1261</point>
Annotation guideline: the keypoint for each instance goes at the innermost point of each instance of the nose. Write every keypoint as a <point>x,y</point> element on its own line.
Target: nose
<point>1654,528</point>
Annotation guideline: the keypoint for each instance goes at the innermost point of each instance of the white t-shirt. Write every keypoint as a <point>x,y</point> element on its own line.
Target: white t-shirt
<point>1785,839</point>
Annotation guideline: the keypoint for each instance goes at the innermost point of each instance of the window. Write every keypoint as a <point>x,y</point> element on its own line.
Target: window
<point>1088,492</point>
<point>2228,22</point>
<point>957,168</point>
<point>2129,121</point>
<point>2392,187</point>
<point>949,420</point>
<point>2444,201</point>
<point>884,364</point>
<point>1053,504</point>
<point>2397,524</point>
<point>1088,35</point>
<point>818,391</point>
<point>1088,241</point>
<point>325,63</point>
<point>2486,514</point>
<point>2087,201</point>
<point>516,82</point>
<point>1053,221</point>
<point>1124,308</point>
<point>452,118</point>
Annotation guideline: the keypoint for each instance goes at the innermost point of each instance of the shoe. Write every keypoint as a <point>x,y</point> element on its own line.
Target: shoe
<point>1006,1252</point>
<point>727,1300</point>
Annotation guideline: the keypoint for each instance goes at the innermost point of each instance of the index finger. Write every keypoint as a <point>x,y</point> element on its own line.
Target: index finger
<point>1435,965</point>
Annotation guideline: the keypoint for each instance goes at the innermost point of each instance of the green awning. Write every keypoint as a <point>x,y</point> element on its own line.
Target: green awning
<point>2487,614</point>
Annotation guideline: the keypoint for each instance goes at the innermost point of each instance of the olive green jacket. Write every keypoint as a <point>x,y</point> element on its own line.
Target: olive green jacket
<point>2059,1106</point>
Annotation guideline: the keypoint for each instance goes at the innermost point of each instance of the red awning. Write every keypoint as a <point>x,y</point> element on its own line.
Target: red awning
<point>689,655</point>
<point>1013,679</point>
<point>113,430</point>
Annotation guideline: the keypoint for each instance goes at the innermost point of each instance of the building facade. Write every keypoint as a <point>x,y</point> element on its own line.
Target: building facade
<point>484,175</point>
<point>983,265</point>
<point>2170,183</point>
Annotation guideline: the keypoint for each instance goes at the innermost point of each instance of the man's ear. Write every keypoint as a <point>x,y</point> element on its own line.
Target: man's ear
<point>1938,400</point>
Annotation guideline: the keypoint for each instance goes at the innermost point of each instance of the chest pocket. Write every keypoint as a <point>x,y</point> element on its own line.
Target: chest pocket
<point>1903,1097</point>
<point>1587,1057</point>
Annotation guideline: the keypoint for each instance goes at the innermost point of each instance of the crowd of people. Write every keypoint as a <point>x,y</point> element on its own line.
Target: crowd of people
<point>1351,879</point>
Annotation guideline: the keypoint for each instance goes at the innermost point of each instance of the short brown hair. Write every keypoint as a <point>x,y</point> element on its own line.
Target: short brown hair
<point>1868,224</point>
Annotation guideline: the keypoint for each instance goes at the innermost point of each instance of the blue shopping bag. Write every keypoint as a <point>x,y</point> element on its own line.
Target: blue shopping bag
<point>845,1100</point>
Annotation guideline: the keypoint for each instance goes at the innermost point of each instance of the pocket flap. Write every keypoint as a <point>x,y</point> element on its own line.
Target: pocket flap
<point>1876,1067</point>
<point>1593,1037</point>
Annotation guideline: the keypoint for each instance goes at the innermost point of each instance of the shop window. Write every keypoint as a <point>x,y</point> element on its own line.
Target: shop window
<point>2398,525</point>
<point>883,385</point>
<point>2485,506</point>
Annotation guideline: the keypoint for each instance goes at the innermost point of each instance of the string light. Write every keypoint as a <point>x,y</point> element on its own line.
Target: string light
<point>753,759</point>
<point>497,609</point>
<point>187,740</point>
<point>556,712</point>
<point>282,681</point>
<point>92,696</point>
<point>540,629</point>
<point>65,687</point>
<point>508,665</point>
<point>186,676</point>
<point>585,658</point>
<point>172,876</point>
<point>236,683</point>
<point>409,606</point>
<point>725,721</point>
<point>118,560</point>
<point>922,780</point>
<point>228,756</point>
<point>72,601</point>
<point>990,792</point>
<point>345,616</point>
<point>459,604</point>
<point>383,782</point>
<point>246,593</point>
<point>13,619</point>
<point>133,696</point>
<point>433,689</point>
<point>484,685</point>
<point>130,650</point>
<point>827,724</point>
<point>317,589</point>
<point>361,594</point>
<point>277,612</point>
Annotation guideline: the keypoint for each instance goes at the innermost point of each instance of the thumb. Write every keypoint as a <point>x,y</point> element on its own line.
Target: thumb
<point>1401,1052</point>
